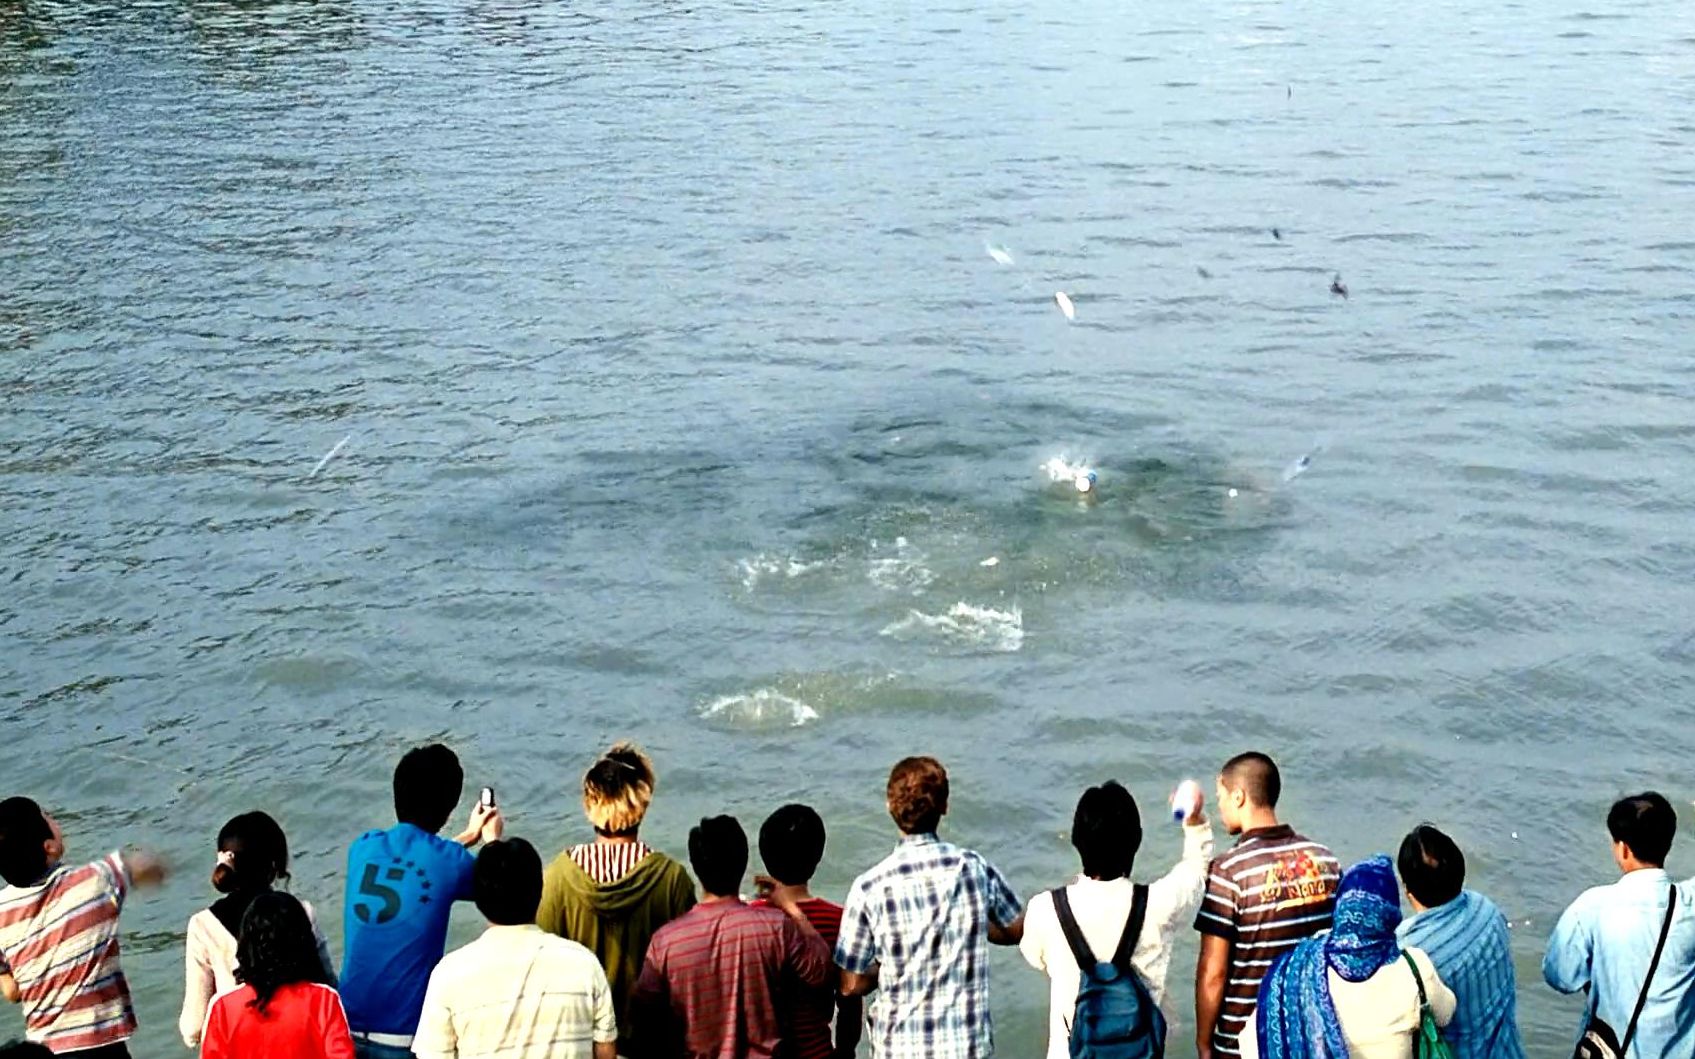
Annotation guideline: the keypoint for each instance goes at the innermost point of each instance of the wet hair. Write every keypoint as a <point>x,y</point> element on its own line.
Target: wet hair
<point>427,785</point>
<point>23,830</point>
<point>791,843</point>
<point>718,853</point>
<point>1107,831</point>
<point>1431,866</point>
<point>25,1050</point>
<point>1646,823</point>
<point>277,948</point>
<point>506,882</point>
<point>617,790</point>
<point>918,794</point>
<point>1255,775</point>
<point>258,854</point>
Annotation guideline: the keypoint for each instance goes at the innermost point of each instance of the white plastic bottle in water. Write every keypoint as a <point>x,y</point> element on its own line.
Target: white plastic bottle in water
<point>1186,801</point>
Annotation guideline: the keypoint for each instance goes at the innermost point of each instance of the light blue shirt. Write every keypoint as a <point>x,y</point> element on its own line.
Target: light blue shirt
<point>1467,941</point>
<point>1605,942</point>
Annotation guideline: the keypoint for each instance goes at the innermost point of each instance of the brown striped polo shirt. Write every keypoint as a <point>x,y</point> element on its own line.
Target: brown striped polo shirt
<point>1273,889</point>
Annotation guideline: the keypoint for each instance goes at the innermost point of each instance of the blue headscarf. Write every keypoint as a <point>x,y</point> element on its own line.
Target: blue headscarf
<point>1297,1018</point>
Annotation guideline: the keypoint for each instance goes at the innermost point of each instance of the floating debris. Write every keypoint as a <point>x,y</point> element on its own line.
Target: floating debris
<point>1203,273</point>
<point>1277,234</point>
<point>1337,287</point>
<point>1001,254</point>
<point>328,456</point>
<point>1063,300</point>
<point>993,560</point>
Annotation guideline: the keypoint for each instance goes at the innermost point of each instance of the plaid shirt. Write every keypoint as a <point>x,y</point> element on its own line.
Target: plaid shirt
<point>923,915</point>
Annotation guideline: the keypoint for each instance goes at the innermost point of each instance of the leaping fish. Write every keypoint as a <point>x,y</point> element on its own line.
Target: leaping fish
<point>328,456</point>
<point>1063,300</point>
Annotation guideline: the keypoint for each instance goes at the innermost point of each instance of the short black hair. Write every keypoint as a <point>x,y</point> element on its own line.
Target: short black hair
<point>23,830</point>
<point>1107,831</point>
<point>25,1050</point>
<point>718,852</point>
<point>1256,775</point>
<point>791,843</point>
<point>427,785</point>
<point>1431,865</point>
<point>506,882</point>
<point>1646,823</point>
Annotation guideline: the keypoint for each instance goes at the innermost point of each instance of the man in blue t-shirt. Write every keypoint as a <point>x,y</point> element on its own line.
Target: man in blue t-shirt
<point>401,885</point>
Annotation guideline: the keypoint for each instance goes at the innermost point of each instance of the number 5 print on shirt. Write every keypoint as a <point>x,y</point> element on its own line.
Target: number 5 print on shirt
<point>388,895</point>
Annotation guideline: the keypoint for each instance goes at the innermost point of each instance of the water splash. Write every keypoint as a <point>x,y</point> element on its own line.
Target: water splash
<point>967,625</point>
<point>1001,254</point>
<point>759,708</point>
<point>762,567</point>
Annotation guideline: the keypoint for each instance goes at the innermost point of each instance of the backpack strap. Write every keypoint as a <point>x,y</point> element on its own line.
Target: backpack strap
<point>1642,998</point>
<point>1132,928</point>
<point>1073,934</point>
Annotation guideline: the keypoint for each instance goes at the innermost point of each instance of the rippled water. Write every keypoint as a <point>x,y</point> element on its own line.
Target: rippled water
<point>686,403</point>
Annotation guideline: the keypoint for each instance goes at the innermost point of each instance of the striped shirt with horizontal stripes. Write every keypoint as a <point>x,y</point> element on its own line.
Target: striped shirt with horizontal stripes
<point>1267,894</point>
<point>811,1013</point>
<point>607,862</point>
<point>59,940</point>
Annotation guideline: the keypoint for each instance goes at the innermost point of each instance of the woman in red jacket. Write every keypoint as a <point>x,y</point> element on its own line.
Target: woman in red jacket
<point>283,1009</point>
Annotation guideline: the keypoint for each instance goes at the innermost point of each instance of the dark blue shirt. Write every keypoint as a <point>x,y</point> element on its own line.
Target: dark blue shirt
<point>401,885</point>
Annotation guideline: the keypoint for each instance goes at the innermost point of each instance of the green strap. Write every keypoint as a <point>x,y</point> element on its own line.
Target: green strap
<point>1418,979</point>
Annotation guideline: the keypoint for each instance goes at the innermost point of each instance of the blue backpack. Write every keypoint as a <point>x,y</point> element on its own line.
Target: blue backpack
<point>1116,1017</point>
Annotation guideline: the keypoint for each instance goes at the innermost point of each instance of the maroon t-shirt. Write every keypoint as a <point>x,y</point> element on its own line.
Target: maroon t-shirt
<point>720,971</point>
<point>814,1009</point>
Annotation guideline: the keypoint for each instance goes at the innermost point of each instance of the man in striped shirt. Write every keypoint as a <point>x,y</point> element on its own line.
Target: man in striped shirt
<point>1264,896</point>
<point>715,978</point>
<point>59,935</point>
<point>1466,938</point>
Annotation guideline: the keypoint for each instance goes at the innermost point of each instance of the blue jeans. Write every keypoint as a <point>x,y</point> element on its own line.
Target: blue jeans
<point>363,1049</point>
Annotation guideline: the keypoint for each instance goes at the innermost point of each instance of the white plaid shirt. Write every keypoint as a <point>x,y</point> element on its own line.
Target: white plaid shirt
<point>923,916</point>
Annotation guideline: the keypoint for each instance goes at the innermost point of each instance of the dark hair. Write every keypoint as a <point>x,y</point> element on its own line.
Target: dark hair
<point>1255,775</point>
<point>277,947</point>
<point>918,794</point>
<point>1107,831</point>
<point>23,830</point>
<point>718,852</point>
<point>25,1050</point>
<point>1646,823</point>
<point>427,785</point>
<point>259,854</point>
<point>506,882</point>
<point>791,843</point>
<point>1431,865</point>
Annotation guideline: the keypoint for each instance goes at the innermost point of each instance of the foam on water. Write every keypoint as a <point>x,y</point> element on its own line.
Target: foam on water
<point>765,566</point>
<point>759,708</point>
<point>904,571</point>
<point>965,624</point>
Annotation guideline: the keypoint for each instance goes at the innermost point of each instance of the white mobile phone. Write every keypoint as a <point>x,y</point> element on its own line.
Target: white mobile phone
<point>486,800</point>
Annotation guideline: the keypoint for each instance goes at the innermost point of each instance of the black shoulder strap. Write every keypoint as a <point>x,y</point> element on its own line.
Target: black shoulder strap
<point>1073,934</point>
<point>1642,1000</point>
<point>1132,929</point>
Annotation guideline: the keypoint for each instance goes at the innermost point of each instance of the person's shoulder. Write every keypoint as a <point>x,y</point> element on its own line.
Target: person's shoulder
<point>1312,846</point>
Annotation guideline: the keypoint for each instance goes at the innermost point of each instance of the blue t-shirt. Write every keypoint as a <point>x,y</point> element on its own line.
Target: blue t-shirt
<point>401,885</point>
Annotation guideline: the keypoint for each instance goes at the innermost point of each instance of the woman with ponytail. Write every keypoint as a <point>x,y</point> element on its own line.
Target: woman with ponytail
<point>252,856</point>
<point>284,1007</point>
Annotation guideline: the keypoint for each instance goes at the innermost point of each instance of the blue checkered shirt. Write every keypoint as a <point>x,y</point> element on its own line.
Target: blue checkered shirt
<point>922,916</point>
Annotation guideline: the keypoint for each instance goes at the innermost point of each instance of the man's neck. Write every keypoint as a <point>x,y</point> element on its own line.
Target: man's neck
<point>707,899</point>
<point>627,838</point>
<point>793,891</point>
<point>1631,867</point>
<point>1259,820</point>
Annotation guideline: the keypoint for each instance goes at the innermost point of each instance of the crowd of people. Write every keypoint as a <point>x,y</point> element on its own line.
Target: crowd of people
<point>613,949</point>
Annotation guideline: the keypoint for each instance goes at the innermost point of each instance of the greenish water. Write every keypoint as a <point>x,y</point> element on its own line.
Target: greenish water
<point>685,402</point>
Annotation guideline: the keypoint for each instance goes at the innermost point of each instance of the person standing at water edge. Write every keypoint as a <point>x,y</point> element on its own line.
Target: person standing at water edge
<point>401,885</point>
<point>916,928</point>
<point>252,855</point>
<point>610,895</point>
<point>715,979</point>
<point>516,992</point>
<point>1269,892</point>
<point>59,935</point>
<point>1605,941</point>
<point>1467,940</point>
<point>285,1006</point>
<point>791,843</point>
<point>1107,831</point>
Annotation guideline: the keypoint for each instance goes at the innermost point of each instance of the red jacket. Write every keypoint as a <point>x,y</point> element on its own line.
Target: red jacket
<point>303,1021</point>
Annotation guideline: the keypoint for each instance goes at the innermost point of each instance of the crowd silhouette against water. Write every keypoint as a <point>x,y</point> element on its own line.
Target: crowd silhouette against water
<point>614,949</point>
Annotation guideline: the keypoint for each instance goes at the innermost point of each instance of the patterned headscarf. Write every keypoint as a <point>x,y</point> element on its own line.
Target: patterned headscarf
<point>1297,1018</point>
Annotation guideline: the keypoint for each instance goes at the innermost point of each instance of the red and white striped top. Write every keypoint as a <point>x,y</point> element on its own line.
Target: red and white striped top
<point>607,862</point>
<point>59,940</point>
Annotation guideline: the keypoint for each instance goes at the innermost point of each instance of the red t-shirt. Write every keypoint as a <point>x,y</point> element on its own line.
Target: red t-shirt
<point>303,1021</point>
<point>809,1022</point>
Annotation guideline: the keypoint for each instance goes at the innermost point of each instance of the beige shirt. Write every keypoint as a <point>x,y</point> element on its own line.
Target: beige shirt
<point>211,968</point>
<point>1102,908</point>
<point>1379,1016</point>
<point>516,993</point>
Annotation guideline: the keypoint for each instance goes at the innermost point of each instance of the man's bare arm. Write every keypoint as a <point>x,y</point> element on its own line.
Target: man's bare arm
<point>1211,971</point>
